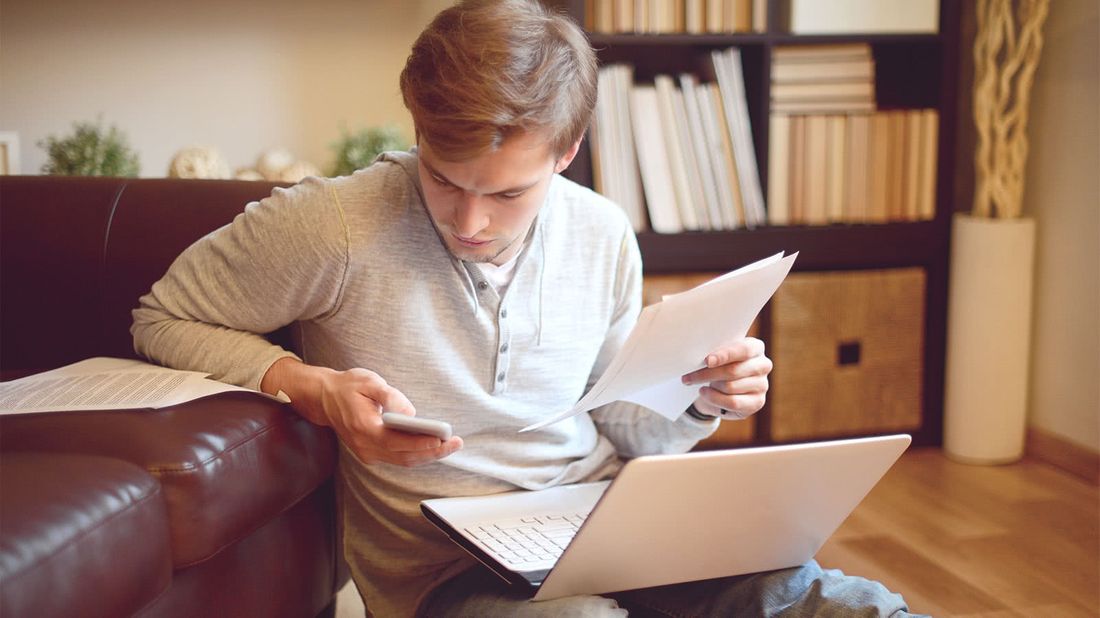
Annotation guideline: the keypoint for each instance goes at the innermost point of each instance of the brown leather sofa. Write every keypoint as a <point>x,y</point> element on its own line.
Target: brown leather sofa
<point>219,507</point>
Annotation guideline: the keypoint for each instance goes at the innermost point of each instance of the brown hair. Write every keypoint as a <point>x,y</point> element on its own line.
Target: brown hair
<point>486,69</point>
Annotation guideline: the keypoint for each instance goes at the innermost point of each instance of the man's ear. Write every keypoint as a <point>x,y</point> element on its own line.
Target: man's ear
<point>567,158</point>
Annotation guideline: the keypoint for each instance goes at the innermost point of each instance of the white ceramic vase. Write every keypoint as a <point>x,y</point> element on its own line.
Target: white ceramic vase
<point>988,339</point>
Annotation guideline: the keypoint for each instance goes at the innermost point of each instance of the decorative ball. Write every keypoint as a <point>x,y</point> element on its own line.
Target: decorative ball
<point>299,170</point>
<point>247,173</point>
<point>272,163</point>
<point>198,162</point>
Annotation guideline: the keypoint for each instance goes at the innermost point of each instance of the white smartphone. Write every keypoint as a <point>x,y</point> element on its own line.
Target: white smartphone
<point>413,424</point>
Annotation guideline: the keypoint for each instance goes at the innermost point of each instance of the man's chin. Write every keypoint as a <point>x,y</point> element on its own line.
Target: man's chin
<point>470,254</point>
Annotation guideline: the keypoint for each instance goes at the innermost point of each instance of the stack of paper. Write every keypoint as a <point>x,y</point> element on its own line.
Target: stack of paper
<point>674,336</point>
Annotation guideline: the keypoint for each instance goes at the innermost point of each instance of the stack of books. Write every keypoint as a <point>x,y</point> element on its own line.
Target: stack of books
<point>675,16</point>
<point>678,150</point>
<point>852,168</point>
<point>823,78</point>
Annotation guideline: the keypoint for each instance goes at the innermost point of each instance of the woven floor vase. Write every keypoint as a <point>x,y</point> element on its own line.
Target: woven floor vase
<point>988,339</point>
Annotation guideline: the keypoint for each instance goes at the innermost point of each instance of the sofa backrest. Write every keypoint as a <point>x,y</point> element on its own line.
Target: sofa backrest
<point>77,253</point>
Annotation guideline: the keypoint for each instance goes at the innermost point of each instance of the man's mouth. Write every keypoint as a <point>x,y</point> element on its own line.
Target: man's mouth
<point>469,242</point>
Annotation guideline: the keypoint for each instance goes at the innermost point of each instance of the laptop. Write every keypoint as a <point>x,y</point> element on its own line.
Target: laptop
<point>667,519</point>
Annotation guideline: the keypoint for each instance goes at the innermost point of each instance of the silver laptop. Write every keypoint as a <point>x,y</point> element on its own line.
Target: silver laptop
<point>668,519</point>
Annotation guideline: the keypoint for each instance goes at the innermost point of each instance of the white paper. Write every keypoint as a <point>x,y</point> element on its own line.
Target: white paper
<point>108,384</point>
<point>674,336</point>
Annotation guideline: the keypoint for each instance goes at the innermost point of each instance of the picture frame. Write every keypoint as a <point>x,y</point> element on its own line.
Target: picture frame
<point>9,153</point>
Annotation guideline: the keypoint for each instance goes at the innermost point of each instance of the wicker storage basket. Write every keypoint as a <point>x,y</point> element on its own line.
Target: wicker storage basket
<point>848,352</point>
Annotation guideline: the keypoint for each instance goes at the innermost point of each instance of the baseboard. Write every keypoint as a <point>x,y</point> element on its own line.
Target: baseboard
<point>1057,451</point>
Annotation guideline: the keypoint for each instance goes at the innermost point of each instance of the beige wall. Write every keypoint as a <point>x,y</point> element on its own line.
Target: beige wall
<point>239,75</point>
<point>1063,193</point>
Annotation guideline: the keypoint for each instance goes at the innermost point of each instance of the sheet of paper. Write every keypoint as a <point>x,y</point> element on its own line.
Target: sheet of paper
<point>107,384</point>
<point>674,336</point>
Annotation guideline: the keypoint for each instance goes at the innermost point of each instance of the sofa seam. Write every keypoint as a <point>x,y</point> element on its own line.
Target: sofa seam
<point>192,467</point>
<point>157,491</point>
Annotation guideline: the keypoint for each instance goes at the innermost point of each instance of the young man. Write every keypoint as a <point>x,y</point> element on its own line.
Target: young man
<point>464,281</point>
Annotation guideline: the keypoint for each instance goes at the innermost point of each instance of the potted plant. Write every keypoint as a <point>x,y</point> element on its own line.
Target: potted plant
<point>358,150</point>
<point>90,150</point>
<point>993,247</point>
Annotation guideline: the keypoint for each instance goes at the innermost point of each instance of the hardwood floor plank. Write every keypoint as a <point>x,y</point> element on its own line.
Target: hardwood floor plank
<point>958,540</point>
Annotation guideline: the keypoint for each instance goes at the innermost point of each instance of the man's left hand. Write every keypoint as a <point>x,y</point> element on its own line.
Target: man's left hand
<point>735,380</point>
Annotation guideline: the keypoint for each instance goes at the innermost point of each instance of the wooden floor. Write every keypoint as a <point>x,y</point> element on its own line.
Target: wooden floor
<point>957,540</point>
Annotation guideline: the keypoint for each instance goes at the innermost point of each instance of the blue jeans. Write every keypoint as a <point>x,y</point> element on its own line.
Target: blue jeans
<point>807,590</point>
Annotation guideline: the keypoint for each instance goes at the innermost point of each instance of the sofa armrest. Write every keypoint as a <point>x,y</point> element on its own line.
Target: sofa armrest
<point>227,463</point>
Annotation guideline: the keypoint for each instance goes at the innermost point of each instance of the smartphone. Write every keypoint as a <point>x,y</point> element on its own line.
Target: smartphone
<point>413,424</point>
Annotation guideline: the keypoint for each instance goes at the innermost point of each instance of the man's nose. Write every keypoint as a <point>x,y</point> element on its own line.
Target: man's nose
<point>471,215</point>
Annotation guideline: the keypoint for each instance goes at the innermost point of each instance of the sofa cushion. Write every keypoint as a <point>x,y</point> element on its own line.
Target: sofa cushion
<point>80,532</point>
<point>227,464</point>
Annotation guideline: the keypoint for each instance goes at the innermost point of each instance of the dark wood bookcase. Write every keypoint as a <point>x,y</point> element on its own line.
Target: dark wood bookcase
<point>911,71</point>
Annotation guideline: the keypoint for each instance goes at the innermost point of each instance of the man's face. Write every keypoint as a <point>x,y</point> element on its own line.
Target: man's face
<point>484,207</point>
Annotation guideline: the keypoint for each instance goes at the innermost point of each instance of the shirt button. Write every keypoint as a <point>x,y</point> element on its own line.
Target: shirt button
<point>503,313</point>
<point>481,285</point>
<point>504,348</point>
<point>500,377</point>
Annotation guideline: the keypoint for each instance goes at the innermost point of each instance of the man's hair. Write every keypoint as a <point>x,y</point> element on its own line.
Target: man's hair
<point>484,70</point>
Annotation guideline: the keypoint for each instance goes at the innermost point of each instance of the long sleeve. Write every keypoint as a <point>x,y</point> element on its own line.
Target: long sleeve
<point>633,429</point>
<point>283,259</point>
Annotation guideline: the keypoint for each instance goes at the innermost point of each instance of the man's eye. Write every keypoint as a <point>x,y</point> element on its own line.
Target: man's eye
<point>511,196</point>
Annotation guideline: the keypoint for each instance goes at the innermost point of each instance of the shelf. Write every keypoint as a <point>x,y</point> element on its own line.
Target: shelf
<point>831,247</point>
<point>751,38</point>
<point>682,40</point>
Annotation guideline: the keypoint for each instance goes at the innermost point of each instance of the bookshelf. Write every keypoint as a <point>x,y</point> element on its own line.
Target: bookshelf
<point>911,71</point>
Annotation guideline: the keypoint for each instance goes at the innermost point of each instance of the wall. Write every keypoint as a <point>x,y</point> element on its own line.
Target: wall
<point>242,75</point>
<point>1062,192</point>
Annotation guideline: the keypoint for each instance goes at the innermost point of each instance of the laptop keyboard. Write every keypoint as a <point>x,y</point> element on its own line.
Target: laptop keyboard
<point>526,542</point>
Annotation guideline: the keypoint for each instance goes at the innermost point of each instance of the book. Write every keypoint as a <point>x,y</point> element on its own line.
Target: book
<point>860,16</point>
<point>911,180</point>
<point>615,167</point>
<point>858,178</point>
<point>669,129</point>
<point>695,16</point>
<point>721,156</point>
<point>895,174</point>
<point>731,83</point>
<point>779,164</point>
<point>797,195</point>
<point>836,168</point>
<point>723,132</point>
<point>692,165</point>
<point>929,160</point>
<point>823,107</point>
<point>660,194</point>
<point>702,160</point>
<point>879,169</point>
<point>759,15</point>
<point>823,52</point>
<point>714,15</point>
<point>741,17</point>
<point>816,177</point>
<point>843,70</point>
<point>823,91</point>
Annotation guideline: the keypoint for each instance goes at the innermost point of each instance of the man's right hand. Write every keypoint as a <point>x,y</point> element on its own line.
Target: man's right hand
<point>351,402</point>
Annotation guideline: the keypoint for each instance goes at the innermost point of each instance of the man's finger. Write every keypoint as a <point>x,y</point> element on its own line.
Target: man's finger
<point>743,386</point>
<point>420,458</point>
<point>740,350</point>
<point>402,441</point>
<point>755,366</point>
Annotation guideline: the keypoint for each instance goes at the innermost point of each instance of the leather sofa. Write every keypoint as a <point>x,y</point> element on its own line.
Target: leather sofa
<point>223,506</point>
